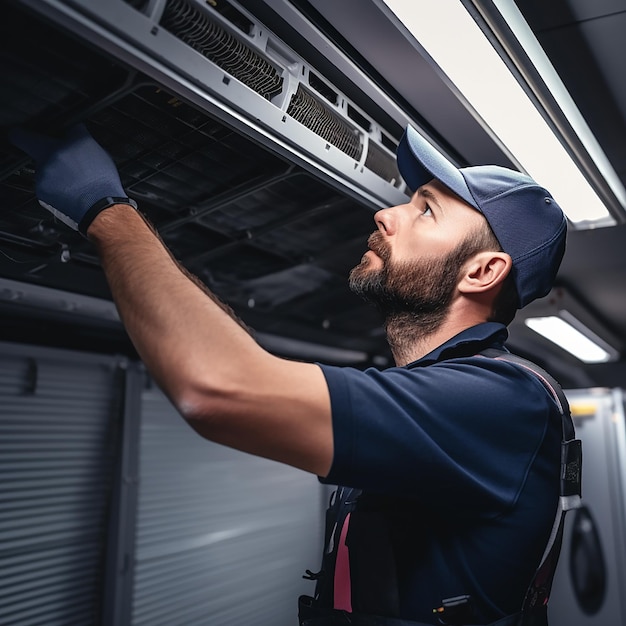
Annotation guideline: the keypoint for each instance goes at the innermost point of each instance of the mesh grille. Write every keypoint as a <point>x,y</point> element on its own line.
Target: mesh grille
<point>309,111</point>
<point>46,77</point>
<point>292,195</point>
<point>198,31</point>
<point>173,155</point>
<point>382,164</point>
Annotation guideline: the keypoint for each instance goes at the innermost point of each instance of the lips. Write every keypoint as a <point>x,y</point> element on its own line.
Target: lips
<point>377,245</point>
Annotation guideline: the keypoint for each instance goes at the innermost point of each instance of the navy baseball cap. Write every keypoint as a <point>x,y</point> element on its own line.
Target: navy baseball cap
<point>527,222</point>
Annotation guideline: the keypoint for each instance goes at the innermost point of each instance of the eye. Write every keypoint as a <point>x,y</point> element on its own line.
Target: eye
<point>427,210</point>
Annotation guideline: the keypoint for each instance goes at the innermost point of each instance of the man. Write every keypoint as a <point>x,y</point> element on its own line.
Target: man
<point>453,456</point>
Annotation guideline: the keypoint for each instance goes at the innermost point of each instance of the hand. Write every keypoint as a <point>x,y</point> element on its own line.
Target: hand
<point>76,178</point>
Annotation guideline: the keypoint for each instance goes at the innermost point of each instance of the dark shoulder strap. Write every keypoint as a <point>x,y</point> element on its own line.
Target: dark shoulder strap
<point>548,382</point>
<point>342,502</point>
<point>570,484</point>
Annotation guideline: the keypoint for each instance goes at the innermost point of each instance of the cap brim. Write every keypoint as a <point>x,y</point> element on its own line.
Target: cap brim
<point>419,162</point>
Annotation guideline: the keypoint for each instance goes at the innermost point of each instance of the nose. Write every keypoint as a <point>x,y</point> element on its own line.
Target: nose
<point>386,220</point>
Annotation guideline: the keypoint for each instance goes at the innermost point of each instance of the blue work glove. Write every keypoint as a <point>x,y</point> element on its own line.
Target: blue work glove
<point>76,179</point>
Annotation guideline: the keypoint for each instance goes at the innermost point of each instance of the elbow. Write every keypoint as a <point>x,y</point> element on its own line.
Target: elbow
<point>192,406</point>
<point>204,409</point>
<point>215,402</point>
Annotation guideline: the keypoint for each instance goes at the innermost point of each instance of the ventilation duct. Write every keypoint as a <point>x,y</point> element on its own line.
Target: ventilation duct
<point>218,56</point>
<point>316,116</point>
<point>203,34</point>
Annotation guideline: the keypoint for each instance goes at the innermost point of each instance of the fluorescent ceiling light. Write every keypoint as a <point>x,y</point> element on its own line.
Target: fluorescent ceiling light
<point>459,48</point>
<point>524,34</point>
<point>576,341</point>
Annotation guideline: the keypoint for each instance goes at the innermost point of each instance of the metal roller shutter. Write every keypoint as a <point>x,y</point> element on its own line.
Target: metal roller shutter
<point>222,537</point>
<point>58,419</point>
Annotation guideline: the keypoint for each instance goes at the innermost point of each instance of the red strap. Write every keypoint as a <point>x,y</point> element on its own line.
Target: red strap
<point>342,588</point>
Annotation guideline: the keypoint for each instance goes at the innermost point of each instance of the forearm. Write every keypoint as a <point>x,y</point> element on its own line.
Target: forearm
<point>228,388</point>
<point>182,335</point>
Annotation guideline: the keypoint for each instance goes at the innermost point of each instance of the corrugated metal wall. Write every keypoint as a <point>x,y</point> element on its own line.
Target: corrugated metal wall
<point>222,537</point>
<point>58,418</point>
<point>219,537</point>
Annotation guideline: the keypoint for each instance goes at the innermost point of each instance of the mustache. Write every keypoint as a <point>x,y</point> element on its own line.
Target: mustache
<point>377,244</point>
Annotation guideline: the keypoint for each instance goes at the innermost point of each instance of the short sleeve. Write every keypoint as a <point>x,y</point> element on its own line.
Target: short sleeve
<point>459,433</point>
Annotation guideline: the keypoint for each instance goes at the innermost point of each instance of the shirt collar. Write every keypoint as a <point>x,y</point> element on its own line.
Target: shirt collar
<point>467,343</point>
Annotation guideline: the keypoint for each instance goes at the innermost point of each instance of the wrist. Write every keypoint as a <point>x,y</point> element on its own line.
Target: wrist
<point>98,207</point>
<point>115,218</point>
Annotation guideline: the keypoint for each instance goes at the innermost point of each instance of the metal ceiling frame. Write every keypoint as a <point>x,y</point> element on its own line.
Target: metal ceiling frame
<point>551,99</point>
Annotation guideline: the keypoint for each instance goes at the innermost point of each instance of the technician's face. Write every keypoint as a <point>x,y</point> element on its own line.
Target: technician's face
<point>416,256</point>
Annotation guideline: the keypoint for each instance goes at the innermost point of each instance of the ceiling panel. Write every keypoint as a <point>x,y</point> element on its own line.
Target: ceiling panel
<point>265,235</point>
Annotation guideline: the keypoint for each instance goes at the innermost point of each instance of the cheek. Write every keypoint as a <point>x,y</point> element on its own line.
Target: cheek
<point>425,244</point>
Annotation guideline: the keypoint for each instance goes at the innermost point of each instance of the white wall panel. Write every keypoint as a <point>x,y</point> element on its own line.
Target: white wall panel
<point>222,537</point>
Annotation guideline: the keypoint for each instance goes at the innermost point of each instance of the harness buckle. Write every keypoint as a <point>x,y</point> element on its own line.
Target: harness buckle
<point>456,610</point>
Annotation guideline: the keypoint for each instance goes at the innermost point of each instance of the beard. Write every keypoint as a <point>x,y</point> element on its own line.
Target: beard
<point>411,295</point>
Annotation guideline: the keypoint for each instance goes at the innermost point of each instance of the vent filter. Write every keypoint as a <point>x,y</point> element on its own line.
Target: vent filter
<point>317,117</point>
<point>198,31</point>
<point>382,163</point>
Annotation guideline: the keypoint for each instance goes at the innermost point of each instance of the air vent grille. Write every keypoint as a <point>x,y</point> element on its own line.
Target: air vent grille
<point>197,30</point>
<point>383,164</point>
<point>317,117</point>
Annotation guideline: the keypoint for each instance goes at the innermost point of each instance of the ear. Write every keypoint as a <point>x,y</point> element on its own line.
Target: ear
<point>484,271</point>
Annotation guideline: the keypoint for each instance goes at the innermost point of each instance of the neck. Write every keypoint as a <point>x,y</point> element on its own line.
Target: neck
<point>411,338</point>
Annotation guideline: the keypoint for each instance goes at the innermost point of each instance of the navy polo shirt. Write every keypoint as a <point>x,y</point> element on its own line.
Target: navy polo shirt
<point>470,446</point>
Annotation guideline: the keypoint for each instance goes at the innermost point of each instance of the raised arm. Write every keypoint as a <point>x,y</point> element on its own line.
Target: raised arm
<point>225,385</point>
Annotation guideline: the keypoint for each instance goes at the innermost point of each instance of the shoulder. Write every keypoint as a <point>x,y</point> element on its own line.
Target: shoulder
<point>472,424</point>
<point>474,382</point>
